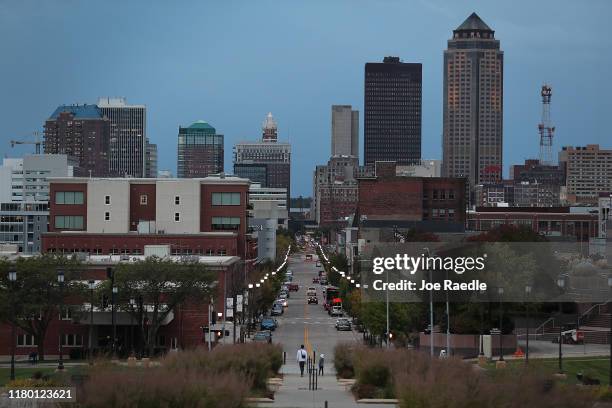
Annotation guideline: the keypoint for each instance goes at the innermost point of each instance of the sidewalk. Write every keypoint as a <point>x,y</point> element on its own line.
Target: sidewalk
<point>294,392</point>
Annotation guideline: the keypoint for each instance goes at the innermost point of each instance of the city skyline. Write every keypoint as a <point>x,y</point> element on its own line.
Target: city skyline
<point>299,88</point>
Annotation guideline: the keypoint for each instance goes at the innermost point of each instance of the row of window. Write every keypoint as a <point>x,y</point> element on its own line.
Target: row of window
<point>69,222</point>
<point>139,251</point>
<point>68,340</point>
<point>77,197</point>
<point>69,197</point>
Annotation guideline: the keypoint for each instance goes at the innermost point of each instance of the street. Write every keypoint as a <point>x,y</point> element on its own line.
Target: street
<point>306,324</point>
<point>311,326</point>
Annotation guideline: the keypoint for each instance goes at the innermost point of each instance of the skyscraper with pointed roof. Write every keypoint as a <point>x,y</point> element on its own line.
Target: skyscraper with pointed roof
<point>473,104</point>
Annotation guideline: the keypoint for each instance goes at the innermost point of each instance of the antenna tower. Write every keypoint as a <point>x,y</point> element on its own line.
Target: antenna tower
<point>545,127</point>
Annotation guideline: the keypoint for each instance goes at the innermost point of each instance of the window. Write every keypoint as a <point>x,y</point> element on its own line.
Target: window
<point>144,199</point>
<point>222,252</point>
<point>72,340</point>
<point>66,313</point>
<point>177,200</point>
<point>107,216</point>
<point>25,340</point>
<point>107,200</point>
<point>225,198</point>
<point>225,223</point>
<point>177,217</point>
<point>74,222</point>
<point>69,197</point>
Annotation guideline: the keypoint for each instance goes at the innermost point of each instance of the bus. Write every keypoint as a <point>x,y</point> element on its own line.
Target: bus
<point>332,298</point>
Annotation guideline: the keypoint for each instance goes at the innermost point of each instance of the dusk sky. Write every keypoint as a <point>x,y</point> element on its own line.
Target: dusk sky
<point>231,62</point>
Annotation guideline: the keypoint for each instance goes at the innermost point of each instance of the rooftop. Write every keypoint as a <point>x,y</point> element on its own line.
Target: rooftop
<point>200,124</point>
<point>79,111</point>
<point>473,23</point>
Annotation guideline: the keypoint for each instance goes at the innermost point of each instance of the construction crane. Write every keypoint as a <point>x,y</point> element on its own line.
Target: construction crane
<point>36,142</point>
<point>545,127</point>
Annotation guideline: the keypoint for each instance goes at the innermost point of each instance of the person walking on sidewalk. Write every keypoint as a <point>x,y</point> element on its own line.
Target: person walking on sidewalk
<point>301,359</point>
<point>321,363</point>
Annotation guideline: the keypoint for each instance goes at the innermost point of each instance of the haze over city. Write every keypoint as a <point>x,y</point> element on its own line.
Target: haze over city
<point>229,64</point>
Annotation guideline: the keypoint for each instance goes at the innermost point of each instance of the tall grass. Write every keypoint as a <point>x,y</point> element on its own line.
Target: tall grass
<point>421,382</point>
<point>161,388</point>
<point>198,378</point>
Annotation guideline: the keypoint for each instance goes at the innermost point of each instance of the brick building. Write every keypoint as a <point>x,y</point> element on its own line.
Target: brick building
<point>588,171</point>
<point>83,133</point>
<point>386,196</point>
<point>549,221</point>
<point>181,329</point>
<point>205,216</point>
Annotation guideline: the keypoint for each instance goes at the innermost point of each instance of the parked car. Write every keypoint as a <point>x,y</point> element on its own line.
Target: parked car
<point>264,336</point>
<point>313,300</point>
<point>318,264</point>
<point>277,309</point>
<point>323,281</point>
<point>570,337</point>
<point>293,287</point>
<point>268,323</point>
<point>343,324</point>
<point>283,295</point>
<point>336,311</point>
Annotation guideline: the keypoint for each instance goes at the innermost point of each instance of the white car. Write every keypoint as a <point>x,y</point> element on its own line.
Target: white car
<point>337,311</point>
<point>312,291</point>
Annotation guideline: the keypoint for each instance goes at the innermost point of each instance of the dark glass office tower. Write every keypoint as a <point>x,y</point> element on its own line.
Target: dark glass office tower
<point>392,111</point>
<point>200,151</point>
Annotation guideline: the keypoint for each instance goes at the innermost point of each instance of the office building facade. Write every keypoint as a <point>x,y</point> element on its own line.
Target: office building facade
<point>473,104</point>
<point>200,151</point>
<point>250,158</point>
<point>128,137</point>
<point>83,134</point>
<point>588,172</point>
<point>120,216</point>
<point>345,131</point>
<point>392,111</point>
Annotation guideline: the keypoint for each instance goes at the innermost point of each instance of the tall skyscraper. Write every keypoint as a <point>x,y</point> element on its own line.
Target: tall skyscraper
<point>473,104</point>
<point>267,161</point>
<point>345,131</point>
<point>200,151</point>
<point>128,136</point>
<point>392,111</point>
<point>82,133</point>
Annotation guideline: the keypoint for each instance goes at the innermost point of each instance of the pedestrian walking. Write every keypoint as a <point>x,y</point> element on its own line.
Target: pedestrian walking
<point>301,359</point>
<point>321,363</point>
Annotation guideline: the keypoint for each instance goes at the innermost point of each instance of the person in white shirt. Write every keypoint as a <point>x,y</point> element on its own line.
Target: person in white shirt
<point>301,359</point>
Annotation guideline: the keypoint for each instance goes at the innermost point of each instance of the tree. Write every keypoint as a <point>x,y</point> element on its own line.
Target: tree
<point>159,286</point>
<point>31,303</point>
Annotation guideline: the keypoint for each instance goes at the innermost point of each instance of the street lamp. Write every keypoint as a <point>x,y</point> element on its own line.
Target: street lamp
<point>431,312</point>
<point>527,293</point>
<point>500,291</point>
<point>12,277</point>
<point>92,286</point>
<point>60,281</point>
<point>132,304</point>
<point>561,285</point>
<point>115,290</point>
<point>610,287</point>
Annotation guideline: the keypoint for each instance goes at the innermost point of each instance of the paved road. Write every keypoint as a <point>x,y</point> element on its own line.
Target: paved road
<point>312,326</point>
<point>308,324</point>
